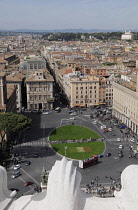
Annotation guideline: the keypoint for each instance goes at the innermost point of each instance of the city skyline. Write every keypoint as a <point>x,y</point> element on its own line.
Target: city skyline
<point>54,15</point>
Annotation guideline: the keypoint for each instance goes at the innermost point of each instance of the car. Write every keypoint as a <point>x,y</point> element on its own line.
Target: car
<point>113,134</point>
<point>121,146</point>
<point>73,114</point>
<point>108,154</point>
<point>106,130</point>
<point>28,183</point>
<point>109,129</point>
<point>100,156</point>
<point>120,154</point>
<point>94,122</point>
<point>27,163</point>
<point>15,174</point>
<point>132,140</point>
<point>118,139</point>
<point>35,155</point>
<point>47,112</point>
<point>16,167</point>
<point>72,118</point>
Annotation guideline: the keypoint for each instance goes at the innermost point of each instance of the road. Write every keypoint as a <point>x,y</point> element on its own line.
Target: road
<point>35,141</point>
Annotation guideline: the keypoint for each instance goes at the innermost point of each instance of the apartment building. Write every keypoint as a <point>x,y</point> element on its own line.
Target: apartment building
<point>125,102</point>
<point>39,88</point>
<point>81,90</point>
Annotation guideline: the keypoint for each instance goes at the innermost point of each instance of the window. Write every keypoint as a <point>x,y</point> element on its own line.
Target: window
<point>76,96</point>
<point>35,66</point>
<point>76,92</point>
<point>76,88</point>
<point>81,102</point>
<point>81,88</point>
<point>77,102</point>
<point>90,87</point>
<point>94,87</point>
<point>39,97</point>
<point>90,91</point>
<point>81,96</point>
<point>86,87</point>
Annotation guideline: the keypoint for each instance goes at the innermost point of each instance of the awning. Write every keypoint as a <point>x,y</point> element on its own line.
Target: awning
<point>101,103</point>
<point>82,105</point>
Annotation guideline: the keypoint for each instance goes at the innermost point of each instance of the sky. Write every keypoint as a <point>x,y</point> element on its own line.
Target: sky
<point>68,14</point>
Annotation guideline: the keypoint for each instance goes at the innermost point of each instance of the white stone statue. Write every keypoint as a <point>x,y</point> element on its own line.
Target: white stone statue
<point>63,192</point>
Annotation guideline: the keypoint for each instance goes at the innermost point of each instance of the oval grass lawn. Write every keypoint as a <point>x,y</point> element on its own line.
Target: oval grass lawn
<point>79,150</point>
<point>70,132</point>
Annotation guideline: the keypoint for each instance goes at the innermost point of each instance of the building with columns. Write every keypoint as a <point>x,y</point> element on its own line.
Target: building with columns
<point>125,102</point>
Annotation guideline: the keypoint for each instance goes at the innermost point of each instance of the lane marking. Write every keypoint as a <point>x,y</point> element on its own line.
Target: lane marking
<point>30,176</point>
<point>24,182</point>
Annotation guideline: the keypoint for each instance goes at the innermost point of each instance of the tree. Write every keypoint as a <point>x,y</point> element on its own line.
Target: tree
<point>11,123</point>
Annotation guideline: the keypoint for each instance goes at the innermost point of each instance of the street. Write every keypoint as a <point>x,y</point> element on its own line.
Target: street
<point>34,141</point>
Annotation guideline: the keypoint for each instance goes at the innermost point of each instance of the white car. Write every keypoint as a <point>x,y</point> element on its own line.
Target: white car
<point>72,118</point>
<point>45,112</point>
<point>16,167</point>
<point>73,114</point>
<point>132,140</point>
<point>94,122</point>
<point>121,146</point>
<point>118,139</point>
<point>110,129</point>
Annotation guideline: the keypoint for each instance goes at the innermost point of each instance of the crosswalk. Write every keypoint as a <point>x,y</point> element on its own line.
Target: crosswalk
<point>34,143</point>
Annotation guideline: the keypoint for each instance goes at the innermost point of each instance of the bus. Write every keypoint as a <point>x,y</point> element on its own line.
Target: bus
<point>58,109</point>
<point>88,162</point>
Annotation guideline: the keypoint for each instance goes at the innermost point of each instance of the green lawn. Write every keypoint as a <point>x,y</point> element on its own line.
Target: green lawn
<point>72,132</point>
<point>79,151</point>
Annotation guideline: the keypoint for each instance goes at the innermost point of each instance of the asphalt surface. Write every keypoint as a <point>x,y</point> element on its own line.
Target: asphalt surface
<point>35,141</point>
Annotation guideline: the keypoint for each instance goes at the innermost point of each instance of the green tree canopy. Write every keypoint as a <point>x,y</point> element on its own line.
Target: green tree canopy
<point>13,123</point>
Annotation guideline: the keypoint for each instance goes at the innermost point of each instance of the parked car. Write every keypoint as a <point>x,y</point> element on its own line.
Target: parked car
<point>16,167</point>
<point>47,112</point>
<point>35,155</point>
<point>15,174</point>
<point>109,129</point>
<point>106,130</point>
<point>28,183</point>
<point>27,163</point>
<point>118,139</point>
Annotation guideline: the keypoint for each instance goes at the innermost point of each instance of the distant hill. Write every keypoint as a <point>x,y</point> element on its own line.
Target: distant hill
<point>63,30</point>
<point>66,30</point>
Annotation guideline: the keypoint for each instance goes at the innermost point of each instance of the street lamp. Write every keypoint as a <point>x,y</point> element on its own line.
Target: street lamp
<point>65,151</point>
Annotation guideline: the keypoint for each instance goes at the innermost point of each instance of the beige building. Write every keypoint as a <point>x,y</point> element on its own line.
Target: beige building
<point>39,88</point>
<point>125,102</point>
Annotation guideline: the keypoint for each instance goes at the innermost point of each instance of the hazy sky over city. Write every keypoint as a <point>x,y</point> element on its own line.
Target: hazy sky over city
<point>69,14</point>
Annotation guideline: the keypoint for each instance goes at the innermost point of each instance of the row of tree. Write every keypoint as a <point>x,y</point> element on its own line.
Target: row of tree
<point>81,36</point>
<point>11,126</point>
